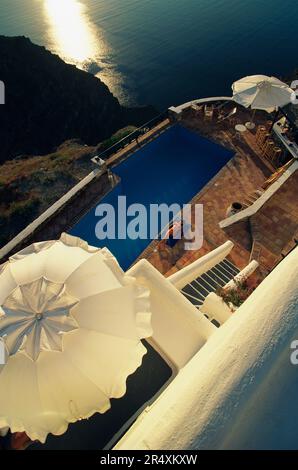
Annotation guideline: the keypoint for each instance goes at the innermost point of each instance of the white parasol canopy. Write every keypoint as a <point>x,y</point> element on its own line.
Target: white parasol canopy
<point>72,322</point>
<point>262,92</point>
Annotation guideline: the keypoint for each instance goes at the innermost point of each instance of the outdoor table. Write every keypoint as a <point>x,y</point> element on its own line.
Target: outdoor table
<point>250,125</point>
<point>240,128</point>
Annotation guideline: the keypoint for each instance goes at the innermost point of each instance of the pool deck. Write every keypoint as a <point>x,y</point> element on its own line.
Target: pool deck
<point>245,173</point>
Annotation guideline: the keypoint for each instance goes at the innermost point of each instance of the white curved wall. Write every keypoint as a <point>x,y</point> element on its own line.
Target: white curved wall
<point>179,329</point>
<point>216,308</point>
<point>179,109</point>
<point>240,390</point>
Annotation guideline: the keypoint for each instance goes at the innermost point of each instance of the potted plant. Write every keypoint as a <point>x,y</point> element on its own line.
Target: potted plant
<point>235,296</point>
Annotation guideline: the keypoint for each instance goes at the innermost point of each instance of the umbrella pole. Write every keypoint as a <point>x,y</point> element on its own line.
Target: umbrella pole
<point>274,120</point>
<point>251,125</point>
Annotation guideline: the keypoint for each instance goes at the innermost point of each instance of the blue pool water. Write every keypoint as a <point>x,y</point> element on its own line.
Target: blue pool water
<point>170,169</point>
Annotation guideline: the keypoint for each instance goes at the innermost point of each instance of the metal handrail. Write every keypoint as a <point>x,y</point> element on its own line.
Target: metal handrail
<point>133,135</point>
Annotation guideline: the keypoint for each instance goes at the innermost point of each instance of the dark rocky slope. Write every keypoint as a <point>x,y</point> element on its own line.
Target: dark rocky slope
<point>49,101</point>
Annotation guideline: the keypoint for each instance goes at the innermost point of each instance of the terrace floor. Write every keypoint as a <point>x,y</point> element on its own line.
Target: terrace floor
<point>245,173</point>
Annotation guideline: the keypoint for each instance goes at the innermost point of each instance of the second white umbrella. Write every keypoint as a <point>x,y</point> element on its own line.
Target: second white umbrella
<point>262,92</point>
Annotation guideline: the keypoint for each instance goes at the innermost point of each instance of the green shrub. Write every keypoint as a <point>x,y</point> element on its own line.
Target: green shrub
<point>236,295</point>
<point>117,137</point>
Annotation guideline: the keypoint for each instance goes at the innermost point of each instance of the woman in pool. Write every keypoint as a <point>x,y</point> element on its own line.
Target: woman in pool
<point>174,234</point>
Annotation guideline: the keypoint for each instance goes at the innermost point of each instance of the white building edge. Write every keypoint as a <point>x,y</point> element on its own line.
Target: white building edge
<point>235,386</point>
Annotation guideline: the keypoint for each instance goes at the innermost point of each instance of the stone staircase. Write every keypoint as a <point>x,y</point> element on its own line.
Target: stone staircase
<point>252,198</point>
<point>197,290</point>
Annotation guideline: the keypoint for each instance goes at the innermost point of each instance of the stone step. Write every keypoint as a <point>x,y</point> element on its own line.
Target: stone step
<point>230,267</point>
<point>213,279</point>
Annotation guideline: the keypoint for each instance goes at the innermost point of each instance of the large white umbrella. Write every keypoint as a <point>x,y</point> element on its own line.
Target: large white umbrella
<point>262,92</point>
<point>72,322</point>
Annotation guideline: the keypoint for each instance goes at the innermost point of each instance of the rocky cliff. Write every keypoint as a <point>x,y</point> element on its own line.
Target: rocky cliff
<point>49,101</point>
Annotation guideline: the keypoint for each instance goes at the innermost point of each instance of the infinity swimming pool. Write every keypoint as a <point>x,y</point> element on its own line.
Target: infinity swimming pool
<point>173,168</point>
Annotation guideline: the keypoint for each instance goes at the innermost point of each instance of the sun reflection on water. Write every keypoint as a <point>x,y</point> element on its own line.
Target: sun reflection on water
<point>77,40</point>
<point>73,35</point>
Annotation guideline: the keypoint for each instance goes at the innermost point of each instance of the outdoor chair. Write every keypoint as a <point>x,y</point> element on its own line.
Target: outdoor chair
<point>228,115</point>
<point>208,111</point>
<point>220,105</point>
<point>196,108</point>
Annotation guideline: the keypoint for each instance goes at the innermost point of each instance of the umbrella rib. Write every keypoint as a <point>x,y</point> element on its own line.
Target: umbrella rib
<point>83,373</point>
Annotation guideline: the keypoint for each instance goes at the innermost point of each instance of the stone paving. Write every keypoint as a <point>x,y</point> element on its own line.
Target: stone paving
<point>275,225</point>
<point>246,172</point>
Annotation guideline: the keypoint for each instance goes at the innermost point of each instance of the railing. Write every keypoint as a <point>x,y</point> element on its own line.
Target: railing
<point>121,144</point>
<point>200,266</point>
